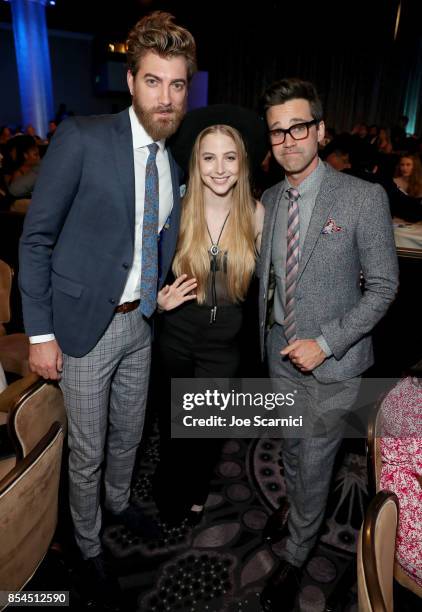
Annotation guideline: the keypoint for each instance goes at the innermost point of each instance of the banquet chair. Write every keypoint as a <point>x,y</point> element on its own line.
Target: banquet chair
<point>374,464</point>
<point>32,405</point>
<point>10,394</point>
<point>14,348</point>
<point>373,449</point>
<point>28,510</point>
<point>375,554</point>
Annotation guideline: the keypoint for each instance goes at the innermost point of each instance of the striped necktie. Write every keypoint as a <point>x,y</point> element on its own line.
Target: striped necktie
<point>149,273</point>
<point>292,264</point>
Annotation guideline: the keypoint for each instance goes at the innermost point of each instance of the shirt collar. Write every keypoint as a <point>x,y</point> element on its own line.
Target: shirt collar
<point>312,182</point>
<point>140,137</point>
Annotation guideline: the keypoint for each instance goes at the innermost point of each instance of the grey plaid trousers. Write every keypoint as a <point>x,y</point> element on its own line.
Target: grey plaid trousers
<point>105,395</point>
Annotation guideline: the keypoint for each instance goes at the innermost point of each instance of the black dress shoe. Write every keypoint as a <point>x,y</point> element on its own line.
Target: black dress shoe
<point>102,586</point>
<point>281,589</point>
<point>276,526</point>
<point>137,522</point>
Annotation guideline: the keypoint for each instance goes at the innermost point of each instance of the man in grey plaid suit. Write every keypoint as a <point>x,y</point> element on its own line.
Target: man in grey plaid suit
<point>90,270</point>
<point>321,230</point>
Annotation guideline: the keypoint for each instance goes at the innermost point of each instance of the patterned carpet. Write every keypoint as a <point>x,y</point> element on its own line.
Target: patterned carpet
<point>221,564</point>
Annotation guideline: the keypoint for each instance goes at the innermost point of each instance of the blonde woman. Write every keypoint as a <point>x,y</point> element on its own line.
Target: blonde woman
<point>215,258</point>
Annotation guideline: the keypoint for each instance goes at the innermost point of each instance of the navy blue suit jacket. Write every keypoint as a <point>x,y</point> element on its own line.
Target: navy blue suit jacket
<point>77,244</point>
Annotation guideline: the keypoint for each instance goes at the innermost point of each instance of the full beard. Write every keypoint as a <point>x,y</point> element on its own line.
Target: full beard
<point>162,127</point>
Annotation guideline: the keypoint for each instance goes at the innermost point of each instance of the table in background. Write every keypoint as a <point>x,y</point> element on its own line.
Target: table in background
<point>408,238</point>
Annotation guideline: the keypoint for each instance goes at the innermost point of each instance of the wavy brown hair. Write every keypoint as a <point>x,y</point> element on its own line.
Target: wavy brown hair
<point>414,186</point>
<point>158,33</point>
<point>192,257</point>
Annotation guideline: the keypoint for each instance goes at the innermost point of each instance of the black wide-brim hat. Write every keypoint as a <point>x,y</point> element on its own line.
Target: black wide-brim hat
<point>247,122</point>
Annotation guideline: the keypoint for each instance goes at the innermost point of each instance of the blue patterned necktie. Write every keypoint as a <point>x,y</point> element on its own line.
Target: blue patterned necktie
<point>149,273</point>
<point>292,264</point>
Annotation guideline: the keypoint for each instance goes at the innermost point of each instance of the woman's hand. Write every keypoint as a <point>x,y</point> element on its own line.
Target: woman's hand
<point>176,294</point>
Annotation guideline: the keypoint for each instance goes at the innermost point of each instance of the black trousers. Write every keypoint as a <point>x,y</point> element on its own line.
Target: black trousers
<point>188,346</point>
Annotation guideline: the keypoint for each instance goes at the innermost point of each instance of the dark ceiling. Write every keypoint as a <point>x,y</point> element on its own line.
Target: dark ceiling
<point>366,19</point>
<point>98,16</point>
<point>358,24</point>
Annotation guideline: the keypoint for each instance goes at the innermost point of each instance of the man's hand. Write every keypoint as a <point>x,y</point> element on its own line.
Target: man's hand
<point>305,354</point>
<point>176,294</point>
<point>46,359</point>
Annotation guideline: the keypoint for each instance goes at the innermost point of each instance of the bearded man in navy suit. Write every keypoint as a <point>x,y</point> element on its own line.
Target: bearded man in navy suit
<point>90,268</point>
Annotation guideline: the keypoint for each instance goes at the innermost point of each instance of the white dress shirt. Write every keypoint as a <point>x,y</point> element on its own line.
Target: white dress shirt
<point>140,141</point>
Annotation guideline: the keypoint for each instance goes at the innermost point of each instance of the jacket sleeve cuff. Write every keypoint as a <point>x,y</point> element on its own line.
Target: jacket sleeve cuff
<point>324,346</point>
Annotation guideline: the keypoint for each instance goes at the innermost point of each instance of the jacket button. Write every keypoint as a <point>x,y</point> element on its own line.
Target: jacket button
<point>125,266</point>
<point>112,301</point>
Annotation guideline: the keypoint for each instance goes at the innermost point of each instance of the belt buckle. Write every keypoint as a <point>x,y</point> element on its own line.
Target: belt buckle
<point>123,308</point>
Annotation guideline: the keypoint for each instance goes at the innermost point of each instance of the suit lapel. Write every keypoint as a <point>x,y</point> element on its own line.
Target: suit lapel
<point>324,202</point>
<point>123,153</point>
<point>268,230</point>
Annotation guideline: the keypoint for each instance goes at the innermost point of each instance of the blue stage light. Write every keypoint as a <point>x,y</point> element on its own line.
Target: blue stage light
<point>33,63</point>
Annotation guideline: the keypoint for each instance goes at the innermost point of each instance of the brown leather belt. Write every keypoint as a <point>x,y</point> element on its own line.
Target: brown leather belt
<point>127,306</point>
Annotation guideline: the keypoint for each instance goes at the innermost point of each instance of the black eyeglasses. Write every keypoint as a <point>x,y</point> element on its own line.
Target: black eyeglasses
<point>299,131</point>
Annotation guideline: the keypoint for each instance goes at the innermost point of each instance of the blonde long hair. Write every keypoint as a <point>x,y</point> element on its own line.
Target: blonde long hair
<point>192,257</point>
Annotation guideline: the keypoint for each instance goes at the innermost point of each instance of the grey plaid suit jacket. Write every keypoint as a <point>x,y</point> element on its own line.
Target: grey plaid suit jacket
<point>329,298</point>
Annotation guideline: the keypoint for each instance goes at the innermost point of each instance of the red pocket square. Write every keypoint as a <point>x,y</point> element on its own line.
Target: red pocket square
<point>331,227</point>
